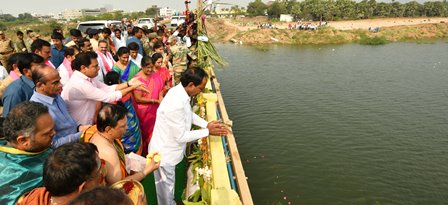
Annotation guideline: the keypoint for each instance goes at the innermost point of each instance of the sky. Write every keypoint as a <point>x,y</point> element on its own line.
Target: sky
<point>16,7</point>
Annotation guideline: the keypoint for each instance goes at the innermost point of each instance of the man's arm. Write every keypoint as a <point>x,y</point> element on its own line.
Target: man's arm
<point>175,120</point>
<point>60,140</point>
<point>9,101</point>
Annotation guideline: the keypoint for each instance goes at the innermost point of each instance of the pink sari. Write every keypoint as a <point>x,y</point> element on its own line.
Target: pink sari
<point>146,113</point>
<point>164,73</point>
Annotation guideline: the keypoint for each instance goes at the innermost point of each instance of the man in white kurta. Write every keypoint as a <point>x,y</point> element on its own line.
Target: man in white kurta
<point>172,130</point>
<point>105,60</point>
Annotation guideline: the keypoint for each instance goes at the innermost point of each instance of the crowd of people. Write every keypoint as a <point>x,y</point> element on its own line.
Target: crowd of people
<point>75,109</point>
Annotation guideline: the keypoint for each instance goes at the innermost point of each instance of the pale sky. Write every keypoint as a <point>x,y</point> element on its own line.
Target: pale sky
<point>16,7</point>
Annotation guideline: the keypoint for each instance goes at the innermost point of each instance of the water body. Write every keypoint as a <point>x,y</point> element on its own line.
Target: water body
<point>344,124</point>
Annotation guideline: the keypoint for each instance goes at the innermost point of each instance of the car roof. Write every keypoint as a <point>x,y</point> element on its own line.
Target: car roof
<point>100,21</point>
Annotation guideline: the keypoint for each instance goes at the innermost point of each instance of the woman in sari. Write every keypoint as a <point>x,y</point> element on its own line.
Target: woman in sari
<point>147,103</point>
<point>125,67</point>
<point>163,72</point>
<point>132,139</point>
<point>111,125</point>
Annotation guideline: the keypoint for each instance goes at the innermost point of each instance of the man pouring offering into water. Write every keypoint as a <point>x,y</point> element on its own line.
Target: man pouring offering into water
<point>172,130</point>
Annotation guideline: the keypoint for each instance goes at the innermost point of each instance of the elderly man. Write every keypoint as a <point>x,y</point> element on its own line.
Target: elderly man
<point>172,130</point>
<point>82,91</point>
<point>70,170</point>
<point>48,87</point>
<point>28,130</point>
<point>21,89</point>
<point>105,60</point>
<point>43,49</point>
<point>6,49</point>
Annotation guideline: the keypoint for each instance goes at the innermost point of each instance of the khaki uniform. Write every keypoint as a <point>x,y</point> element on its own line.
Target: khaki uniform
<point>28,43</point>
<point>6,49</point>
<point>147,46</point>
<point>179,55</point>
<point>20,46</point>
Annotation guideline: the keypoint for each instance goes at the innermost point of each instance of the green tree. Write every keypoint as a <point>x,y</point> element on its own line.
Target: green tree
<point>151,11</point>
<point>25,16</point>
<point>314,9</point>
<point>54,25</point>
<point>7,17</point>
<point>345,9</point>
<point>382,9</point>
<point>256,8</point>
<point>236,10</point>
<point>397,9</point>
<point>276,9</point>
<point>413,9</point>
<point>294,8</point>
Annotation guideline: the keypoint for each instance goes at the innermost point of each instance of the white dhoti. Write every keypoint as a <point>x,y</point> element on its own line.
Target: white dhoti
<point>165,178</point>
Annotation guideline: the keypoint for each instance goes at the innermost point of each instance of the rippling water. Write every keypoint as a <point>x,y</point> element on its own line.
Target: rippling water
<point>346,124</point>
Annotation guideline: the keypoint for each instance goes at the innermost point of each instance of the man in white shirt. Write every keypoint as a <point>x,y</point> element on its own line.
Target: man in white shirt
<point>105,60</point>
<point>172,130</point>
<point>82,91</point>
<point>119,39</point>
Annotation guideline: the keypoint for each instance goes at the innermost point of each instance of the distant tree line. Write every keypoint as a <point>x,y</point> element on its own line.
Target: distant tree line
<point>8,19</point>
<point>329,10</point>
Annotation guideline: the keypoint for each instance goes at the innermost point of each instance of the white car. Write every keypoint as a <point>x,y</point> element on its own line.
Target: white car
<point>148,22</point>
<point>83,26</point>
<point>177,20</point>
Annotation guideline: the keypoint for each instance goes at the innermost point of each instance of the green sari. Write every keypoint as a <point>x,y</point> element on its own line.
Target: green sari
<point>128,73</point>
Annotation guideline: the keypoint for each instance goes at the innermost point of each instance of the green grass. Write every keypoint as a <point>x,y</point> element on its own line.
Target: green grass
<point>375,40</point>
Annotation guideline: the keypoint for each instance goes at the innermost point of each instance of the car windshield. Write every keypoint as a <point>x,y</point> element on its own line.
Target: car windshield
<point>84,26</point>
<point>144,21</point>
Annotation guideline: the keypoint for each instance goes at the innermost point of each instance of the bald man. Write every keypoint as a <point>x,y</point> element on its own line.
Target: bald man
<point>48,86</point>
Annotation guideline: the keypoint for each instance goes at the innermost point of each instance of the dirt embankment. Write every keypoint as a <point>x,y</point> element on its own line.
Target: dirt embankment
<point>392,29</point>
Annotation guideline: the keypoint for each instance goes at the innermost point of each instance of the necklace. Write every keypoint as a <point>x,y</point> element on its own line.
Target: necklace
<point>105,137</point>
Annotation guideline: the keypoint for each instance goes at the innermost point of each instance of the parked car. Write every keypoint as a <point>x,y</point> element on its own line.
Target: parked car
<point>148,22</point>
<point>83,26</point>
<point>177,20</point>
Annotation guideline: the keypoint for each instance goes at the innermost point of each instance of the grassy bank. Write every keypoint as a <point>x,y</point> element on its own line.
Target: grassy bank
<point>44,29</point>
<point>328,35</point>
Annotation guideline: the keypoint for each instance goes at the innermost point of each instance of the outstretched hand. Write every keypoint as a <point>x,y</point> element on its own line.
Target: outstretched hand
<point>217,128</point>
<point>138,85</point>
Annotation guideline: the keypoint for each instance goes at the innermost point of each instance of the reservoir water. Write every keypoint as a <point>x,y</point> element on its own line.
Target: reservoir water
<point>341,124</point>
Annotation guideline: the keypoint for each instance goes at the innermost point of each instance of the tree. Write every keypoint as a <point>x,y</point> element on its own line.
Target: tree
<point>25,16</point>
<point>276,9</point>
<point>345,9</point>
<point>413,9</point>
<point>293,7</point>
<point>151,11</point>
<point>397,9</point>
<point>314,9</point>
<point>256,8</point>
<point>235,10</point>
<point>382,9</point>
